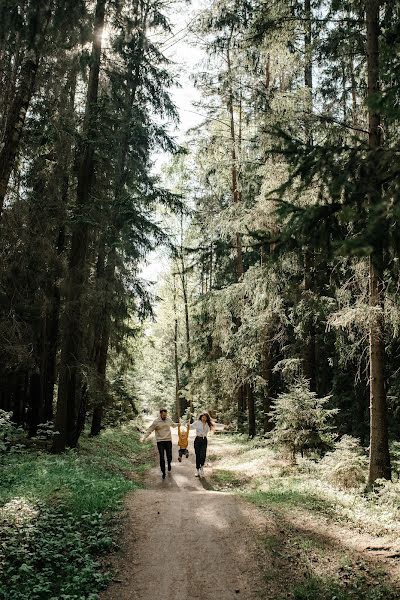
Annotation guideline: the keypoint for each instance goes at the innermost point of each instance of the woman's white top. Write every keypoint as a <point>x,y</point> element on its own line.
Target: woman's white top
<point>201,428</point>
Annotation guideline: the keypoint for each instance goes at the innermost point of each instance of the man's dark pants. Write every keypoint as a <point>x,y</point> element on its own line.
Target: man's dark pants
<point>167,448</point>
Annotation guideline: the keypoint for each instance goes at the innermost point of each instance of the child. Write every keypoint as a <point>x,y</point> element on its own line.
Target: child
<point>183,441</point>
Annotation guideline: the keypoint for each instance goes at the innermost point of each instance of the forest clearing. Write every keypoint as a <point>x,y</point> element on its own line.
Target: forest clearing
<point>199,224</point>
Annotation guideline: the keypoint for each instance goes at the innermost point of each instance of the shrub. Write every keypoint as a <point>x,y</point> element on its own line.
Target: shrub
<point>346,466</point>
<point>302,421</point>
<point>9,433</point>
<point>387,494</point>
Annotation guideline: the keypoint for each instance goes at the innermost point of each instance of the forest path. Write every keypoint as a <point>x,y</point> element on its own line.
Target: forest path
<point>182,540</point>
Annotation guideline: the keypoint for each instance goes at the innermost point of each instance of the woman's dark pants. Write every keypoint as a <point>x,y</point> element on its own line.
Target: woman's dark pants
<point>200,448</point>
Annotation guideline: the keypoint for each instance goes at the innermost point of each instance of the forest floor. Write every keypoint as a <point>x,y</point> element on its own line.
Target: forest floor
<point>248,530</point>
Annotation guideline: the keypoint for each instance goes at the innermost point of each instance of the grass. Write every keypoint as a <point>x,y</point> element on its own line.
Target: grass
<point>56,519</point>
<point>301,555</point>
<point>283,495</point>
<point>256,471</point>
<point>317,588</point>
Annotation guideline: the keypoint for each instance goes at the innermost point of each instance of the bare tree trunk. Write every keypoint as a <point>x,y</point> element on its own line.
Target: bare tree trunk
<point>17,112</point>
<point>71,353</point>
<point>176,359</point>
<point>379,458</point>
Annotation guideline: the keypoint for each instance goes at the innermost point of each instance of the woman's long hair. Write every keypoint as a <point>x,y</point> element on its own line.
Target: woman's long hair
<point>210,422</point>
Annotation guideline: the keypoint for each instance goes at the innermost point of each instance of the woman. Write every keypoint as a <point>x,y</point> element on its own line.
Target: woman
<point>203,426</point>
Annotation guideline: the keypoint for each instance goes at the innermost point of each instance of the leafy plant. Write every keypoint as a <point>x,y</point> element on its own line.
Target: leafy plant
<point>9,433</point>
<point>302,421</point>
<point>346,466</point>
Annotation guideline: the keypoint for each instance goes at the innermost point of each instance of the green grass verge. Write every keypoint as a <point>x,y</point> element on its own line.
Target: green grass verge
<point>280,493</point>
<point>316,588</point>
<point>56,519</point>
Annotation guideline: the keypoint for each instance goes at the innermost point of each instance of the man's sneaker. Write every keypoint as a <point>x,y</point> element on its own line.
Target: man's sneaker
<point>180,458</point>
<point>201,472</point>
<point>169,466</point>
<point>163,475</point>
<point>197,472</point>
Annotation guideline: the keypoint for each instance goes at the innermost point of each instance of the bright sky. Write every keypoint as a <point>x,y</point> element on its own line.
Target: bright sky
<point>185,58</point>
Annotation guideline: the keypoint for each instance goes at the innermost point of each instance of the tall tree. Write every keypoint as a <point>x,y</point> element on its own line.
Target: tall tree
<point>379,463</point>
<point>77,276</point>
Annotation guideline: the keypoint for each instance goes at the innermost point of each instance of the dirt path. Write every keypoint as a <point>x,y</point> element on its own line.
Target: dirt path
<point>182,540</point>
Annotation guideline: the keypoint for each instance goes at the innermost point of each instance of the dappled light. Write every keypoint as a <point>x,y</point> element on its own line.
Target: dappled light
<point>199,300</point>
<point>18,512</point>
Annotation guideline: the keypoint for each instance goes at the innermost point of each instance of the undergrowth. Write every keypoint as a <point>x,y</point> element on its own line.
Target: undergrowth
<point>333,488</point>
<point>57,515</point>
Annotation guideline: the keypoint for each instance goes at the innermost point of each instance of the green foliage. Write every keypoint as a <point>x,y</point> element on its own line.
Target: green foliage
<point>285,494</point>
<point>346,466</point>
<point>10,434</point>
<point>358,588</point>
<point>302,421</point>
<point>56,515</point>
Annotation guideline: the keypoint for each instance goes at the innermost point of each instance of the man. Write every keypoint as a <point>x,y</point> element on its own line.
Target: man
<point>162,428</point>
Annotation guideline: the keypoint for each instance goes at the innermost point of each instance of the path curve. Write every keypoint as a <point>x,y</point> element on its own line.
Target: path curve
<point>184,541</point>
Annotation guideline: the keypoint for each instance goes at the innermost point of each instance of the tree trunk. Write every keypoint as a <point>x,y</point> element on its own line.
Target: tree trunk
<point>97,419</point>
<point>241,407</point>
<point>100,353</point>
<point>236,196</point>
<point>267,376</point>
<point>19,106</point>
<point>176,358</point>
<point>76,283</point>
<point>102,357</point>
<point>309,353</point>
<point>251,411</point>
<point>379,461</point>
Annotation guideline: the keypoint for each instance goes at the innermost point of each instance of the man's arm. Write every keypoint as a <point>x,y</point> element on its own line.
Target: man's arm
<point>149,430</point>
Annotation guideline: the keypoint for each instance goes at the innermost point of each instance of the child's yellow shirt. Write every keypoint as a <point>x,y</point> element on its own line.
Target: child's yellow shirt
<point>183,436</point>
